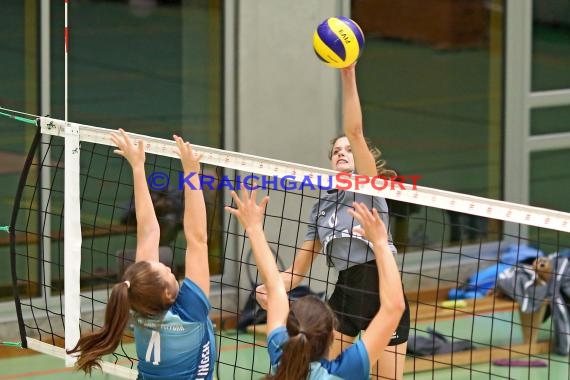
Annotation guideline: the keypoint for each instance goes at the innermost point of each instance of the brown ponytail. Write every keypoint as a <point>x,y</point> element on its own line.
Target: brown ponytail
<point>310,325</point>
<point>295,360</point>
<point>96,344</point>
<point>143,290</point>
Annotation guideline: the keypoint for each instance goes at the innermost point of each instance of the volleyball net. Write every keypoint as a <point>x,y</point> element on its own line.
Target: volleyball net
<point>481,275</point>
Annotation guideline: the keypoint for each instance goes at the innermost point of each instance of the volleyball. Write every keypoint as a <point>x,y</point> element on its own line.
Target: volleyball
<point>338,42</point>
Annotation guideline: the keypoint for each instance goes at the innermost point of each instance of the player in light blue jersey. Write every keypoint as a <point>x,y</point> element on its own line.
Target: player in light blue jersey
<point>329,229</point>
<point>300,337</point>
<point>174,336</point>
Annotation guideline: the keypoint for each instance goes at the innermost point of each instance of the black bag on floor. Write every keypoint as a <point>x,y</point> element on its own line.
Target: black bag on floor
<point>253,314</point>
<point>435,343</point>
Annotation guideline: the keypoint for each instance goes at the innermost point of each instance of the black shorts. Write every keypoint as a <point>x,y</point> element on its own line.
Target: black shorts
<point>355,301</point>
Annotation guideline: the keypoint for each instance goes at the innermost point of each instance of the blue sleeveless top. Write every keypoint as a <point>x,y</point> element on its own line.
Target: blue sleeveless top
<point>181,344</point>
<point>352,364</point>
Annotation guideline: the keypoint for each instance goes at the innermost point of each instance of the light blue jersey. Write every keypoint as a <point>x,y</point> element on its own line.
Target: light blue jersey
<point>351,364</point>
<point>181,344</point>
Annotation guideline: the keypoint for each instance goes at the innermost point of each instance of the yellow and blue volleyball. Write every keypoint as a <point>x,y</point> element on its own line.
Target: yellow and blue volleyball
<point>338,42</point>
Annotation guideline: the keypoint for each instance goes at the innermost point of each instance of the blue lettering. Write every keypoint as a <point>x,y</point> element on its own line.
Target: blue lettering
<point>306,182</point>
<point>225,182</point>
<point>321,187</point>
<point>185,180</point>
<point>286,184</point>
<point>265,180</point>
<point>250,178</point>
<point>207,180</point>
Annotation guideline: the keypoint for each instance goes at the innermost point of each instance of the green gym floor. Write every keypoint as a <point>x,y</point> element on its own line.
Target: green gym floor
<point>239,356</point>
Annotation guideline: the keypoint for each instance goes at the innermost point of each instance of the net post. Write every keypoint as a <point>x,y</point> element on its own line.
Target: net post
<point>72,240</point>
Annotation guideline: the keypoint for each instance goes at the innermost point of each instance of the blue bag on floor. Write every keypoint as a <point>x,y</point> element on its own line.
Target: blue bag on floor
<point>479,284</point>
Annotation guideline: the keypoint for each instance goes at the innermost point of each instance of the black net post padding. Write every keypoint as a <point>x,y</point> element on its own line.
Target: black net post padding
<point>16,207</point>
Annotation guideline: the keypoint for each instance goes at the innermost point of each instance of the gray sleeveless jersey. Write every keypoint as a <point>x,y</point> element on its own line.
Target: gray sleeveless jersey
<point>330,222</point>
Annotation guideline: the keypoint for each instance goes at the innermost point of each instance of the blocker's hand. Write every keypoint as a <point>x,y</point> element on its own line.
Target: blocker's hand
<point>134,154</point>
<point>190,159</point>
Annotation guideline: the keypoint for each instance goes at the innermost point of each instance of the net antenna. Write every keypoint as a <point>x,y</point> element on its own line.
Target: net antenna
<point>72,218</point>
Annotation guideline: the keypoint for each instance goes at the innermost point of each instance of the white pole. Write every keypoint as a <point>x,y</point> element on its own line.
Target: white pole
<point>72,222</point>
<point>45,109</point>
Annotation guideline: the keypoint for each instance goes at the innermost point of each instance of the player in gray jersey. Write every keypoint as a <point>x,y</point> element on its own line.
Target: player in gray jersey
<point>355,299</point>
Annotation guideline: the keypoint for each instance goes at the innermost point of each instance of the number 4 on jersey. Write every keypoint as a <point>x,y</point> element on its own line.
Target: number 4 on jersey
<point>153,348</point>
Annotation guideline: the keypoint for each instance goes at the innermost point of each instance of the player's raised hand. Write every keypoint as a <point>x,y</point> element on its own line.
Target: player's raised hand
<point>133,153</point>
<point>249,213</point>
<point>371,226</point>
<point>190,159</point>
